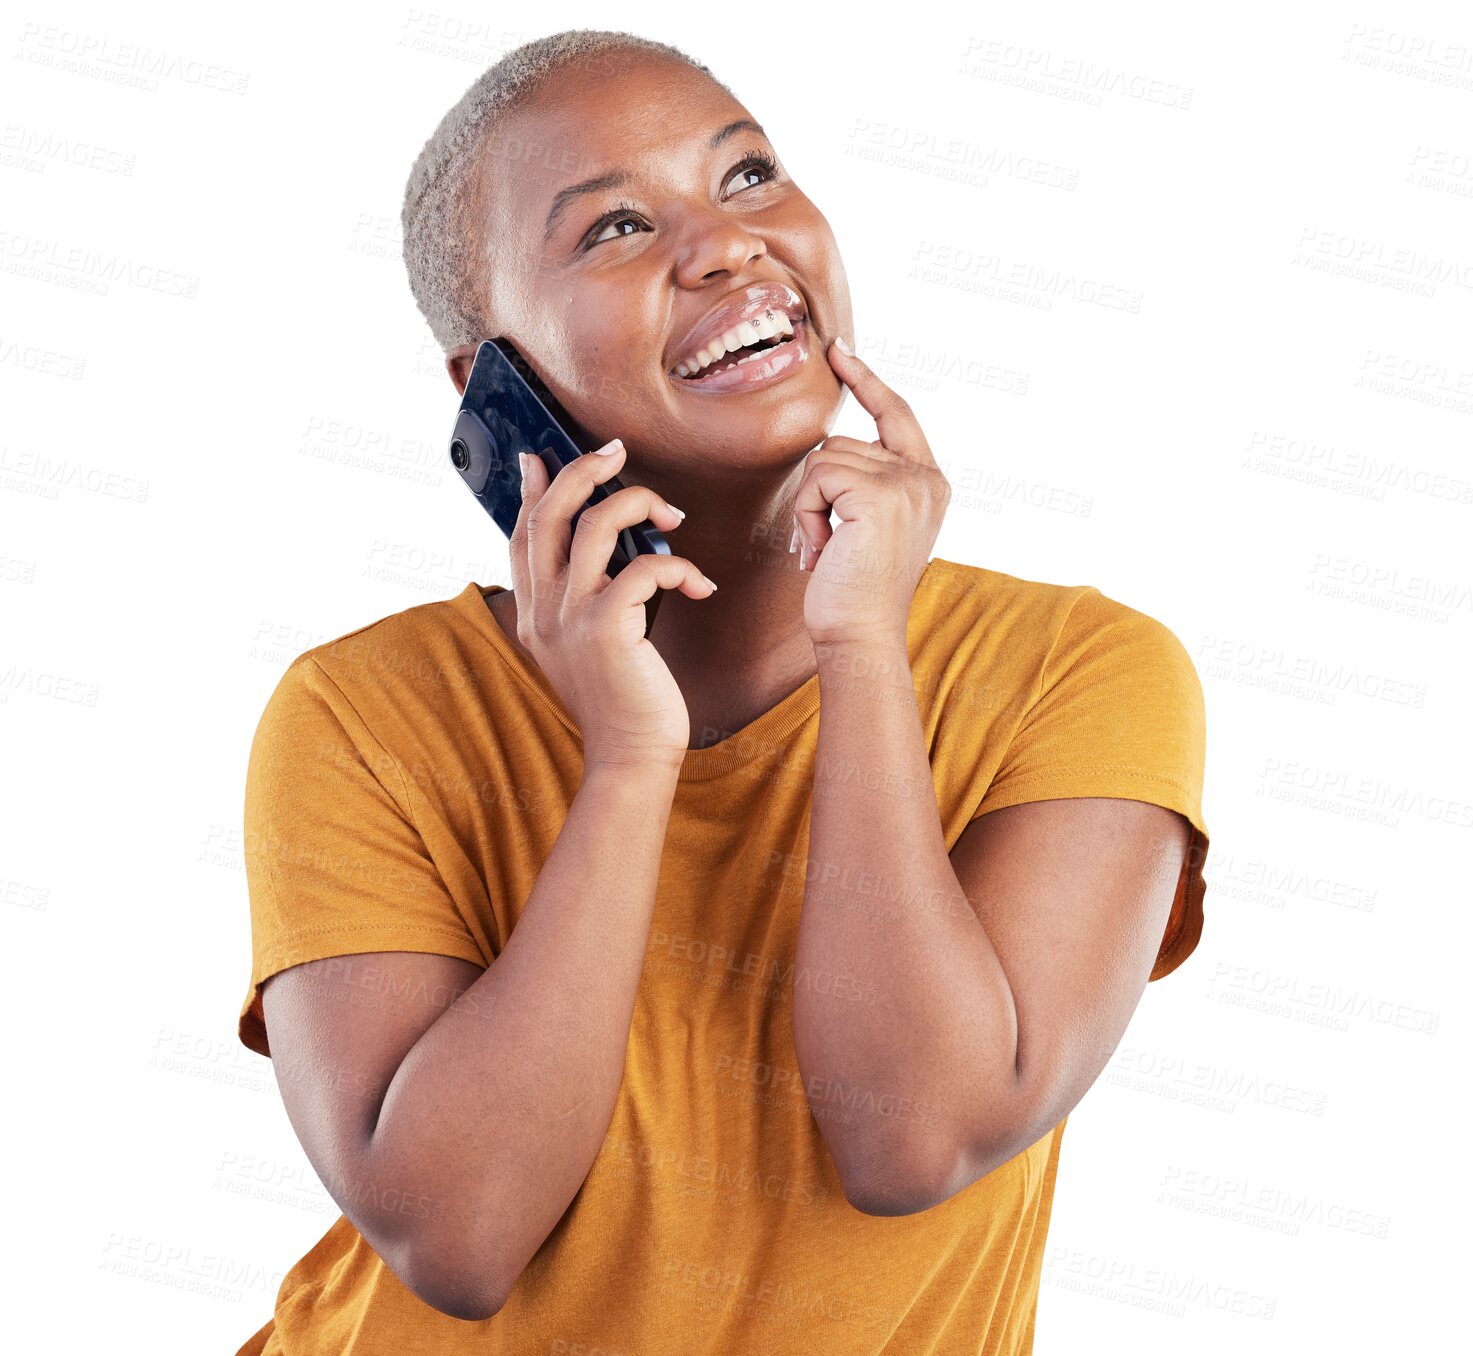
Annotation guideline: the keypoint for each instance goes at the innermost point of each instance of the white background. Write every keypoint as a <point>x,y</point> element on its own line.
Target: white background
<point>1198,335</point>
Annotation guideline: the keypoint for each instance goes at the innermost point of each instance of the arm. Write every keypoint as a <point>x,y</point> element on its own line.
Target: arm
<point>453,1114</point>
<point>1003,975</point>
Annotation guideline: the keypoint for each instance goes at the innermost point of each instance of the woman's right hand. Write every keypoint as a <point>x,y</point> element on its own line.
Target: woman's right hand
<point>586,630</point>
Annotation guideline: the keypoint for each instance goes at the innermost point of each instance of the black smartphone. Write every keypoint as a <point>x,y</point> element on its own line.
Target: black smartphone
<point>507,409</point>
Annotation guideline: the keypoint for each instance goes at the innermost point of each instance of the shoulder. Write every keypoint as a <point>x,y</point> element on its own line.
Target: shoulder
<point>382,676</point>
<point>380,647</point>
<point>957,597</point>
<point>970,597</point>
<point>1045,635</point>
<point>1104,639</point>
<point>415,646</point>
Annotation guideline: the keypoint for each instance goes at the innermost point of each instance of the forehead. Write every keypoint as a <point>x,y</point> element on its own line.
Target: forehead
<point>602,115</point>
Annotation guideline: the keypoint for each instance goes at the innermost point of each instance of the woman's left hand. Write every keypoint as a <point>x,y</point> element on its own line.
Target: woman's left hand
<point>890,498</point>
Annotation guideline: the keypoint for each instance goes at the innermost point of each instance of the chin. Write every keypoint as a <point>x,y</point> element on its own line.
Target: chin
<point>787,420</point>
<point>771,437</point>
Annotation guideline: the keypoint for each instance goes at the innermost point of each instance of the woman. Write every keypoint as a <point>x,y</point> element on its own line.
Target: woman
<point>726,990</point>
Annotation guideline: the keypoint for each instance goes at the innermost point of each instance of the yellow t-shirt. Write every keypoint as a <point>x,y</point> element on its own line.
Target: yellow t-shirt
<point>406,783</point>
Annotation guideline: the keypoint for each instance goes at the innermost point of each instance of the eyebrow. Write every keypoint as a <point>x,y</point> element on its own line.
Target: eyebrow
<point>619,177</point>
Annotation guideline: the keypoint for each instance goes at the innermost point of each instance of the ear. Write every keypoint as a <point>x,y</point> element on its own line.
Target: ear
<point>458,362</point>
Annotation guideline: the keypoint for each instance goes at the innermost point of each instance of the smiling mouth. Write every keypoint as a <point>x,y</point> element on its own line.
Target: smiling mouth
<point>743,343</point>
<point>740,358</point>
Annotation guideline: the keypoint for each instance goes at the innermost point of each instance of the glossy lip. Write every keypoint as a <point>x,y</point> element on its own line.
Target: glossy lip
<point>745,303</point>
<point>786,359</point>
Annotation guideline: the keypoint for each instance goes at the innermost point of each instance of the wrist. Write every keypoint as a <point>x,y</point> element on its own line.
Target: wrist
<point>654,765</point>
<point>862,670</point>
<point>853,647</point>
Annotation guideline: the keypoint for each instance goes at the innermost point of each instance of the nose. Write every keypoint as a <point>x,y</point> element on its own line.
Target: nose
<point>717,243</point>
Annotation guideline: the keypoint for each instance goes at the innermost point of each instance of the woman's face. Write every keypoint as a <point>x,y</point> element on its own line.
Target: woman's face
<point>606,300</point>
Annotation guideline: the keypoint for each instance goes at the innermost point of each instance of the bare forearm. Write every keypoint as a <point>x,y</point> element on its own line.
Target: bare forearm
<point>893,1077</point>
<point>500,1108</point>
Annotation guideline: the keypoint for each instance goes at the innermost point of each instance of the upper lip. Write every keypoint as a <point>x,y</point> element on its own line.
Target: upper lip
<point>744,303</point>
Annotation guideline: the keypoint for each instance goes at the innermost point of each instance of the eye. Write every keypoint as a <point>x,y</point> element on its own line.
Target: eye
<point>754,162</point>
<point>623,213</point>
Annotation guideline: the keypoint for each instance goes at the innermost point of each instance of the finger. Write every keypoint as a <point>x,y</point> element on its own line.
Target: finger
<point>836,450</point>
<point>864,456</point>
<point>534,485</point>
<point>598,530</point>
<point>638,581</point>
<point>821,491</point>
<point>900,431</point>
<point>549,522</point>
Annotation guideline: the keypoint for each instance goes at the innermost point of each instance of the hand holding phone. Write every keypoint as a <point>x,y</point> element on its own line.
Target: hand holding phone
<point>508,409</point>
<point>585,630</point>
<point>587,592</point>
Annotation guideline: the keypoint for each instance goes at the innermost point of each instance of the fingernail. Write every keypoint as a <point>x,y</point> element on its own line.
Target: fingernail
<point>709,580</point>
<point>845,347</point>
<point>610,447</point>
<point>793,540</point>
<point>673,509</point>
<point>522,462</point>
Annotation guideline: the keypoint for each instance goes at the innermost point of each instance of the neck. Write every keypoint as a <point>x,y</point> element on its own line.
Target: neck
<point>736,531</point>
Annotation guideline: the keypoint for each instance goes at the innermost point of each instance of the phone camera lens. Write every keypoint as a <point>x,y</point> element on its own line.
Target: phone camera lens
<point>460,454</point>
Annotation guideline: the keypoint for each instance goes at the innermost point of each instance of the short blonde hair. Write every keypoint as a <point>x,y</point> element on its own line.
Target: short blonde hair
<point>444,249</point>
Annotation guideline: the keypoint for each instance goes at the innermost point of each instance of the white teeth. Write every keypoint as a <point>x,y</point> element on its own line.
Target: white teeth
<point>759,353</point>
<point>771,322</point>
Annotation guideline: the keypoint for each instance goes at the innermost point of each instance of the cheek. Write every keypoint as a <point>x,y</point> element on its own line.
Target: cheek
<point>599,371</point>
<point>810,244</point>
<point>835,275</point>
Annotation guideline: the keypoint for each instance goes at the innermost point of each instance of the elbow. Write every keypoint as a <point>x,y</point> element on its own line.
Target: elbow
<point>467,1305</point>
<point>894,1186</point>
<point>899,1200</point>
<point>457,1270</point>
<point>895,1183</point>
<point>448,1287</point>
<point>907,1174</point>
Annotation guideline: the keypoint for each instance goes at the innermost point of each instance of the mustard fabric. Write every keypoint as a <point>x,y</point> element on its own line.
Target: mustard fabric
<point>406,782</point>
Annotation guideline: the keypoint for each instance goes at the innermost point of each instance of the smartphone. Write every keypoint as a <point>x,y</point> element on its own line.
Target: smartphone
<point>508,409</point>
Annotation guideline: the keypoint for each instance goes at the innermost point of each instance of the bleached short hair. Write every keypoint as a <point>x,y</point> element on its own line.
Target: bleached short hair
<point>444,247</point>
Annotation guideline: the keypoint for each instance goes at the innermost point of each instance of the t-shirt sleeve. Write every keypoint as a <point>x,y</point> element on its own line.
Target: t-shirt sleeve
<point>334,863</point>
<point>1119,712</point>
